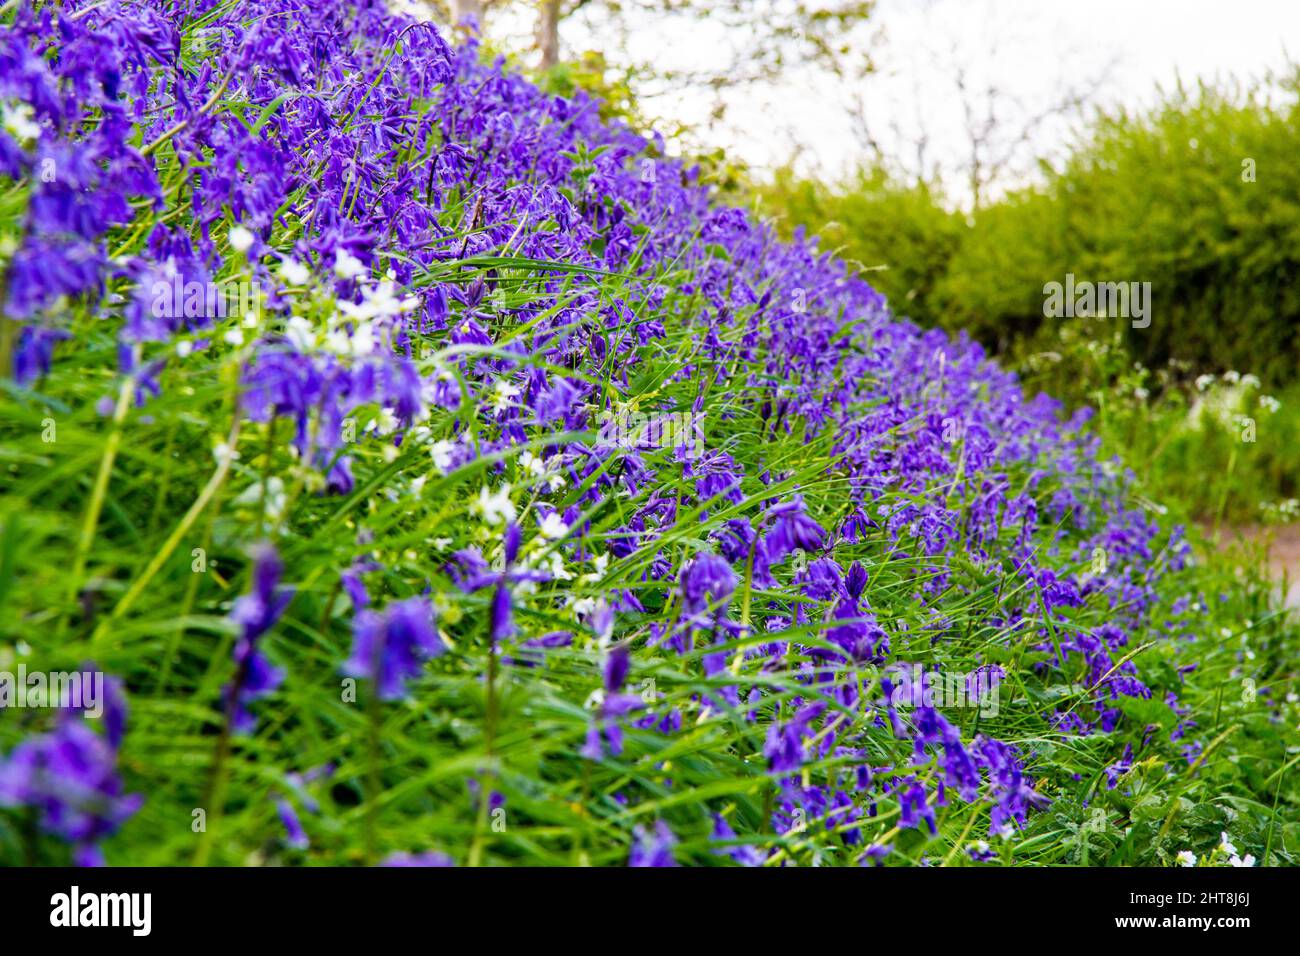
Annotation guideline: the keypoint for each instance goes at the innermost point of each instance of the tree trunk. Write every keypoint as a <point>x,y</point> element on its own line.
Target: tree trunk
<point>548,32</point>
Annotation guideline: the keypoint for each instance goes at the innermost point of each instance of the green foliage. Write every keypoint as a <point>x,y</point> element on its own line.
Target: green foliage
<point>591,73</point>
<point>145,609</point>
<point>1199,196</point>
<point>1214,448</point>
<point>901,236</point>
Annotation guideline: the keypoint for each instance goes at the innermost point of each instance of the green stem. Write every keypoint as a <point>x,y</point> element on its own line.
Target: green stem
<point>159,559</point>
<point>373,718</point>
<point>90,523</point>
<point>1272,823</point>
<point>489,742</point>
<point>6,328</point>
<point>1223,498</point>
<point>215,796</point>
<point>266,477</point>
<point>164,487</point>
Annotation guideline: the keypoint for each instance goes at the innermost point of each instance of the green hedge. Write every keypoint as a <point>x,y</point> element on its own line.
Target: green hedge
<point>1165,196</point>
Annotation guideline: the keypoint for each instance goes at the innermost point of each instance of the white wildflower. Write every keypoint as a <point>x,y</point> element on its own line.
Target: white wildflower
<point>223,453</point>
<point>503,393</point>
<point>532,464</point>
<point>241,239</point>
<point>441,451</point>
<point>557,569</point>
<point>378,302</point>
<point>358,345</point>
<point>300,333</point>
<point>274,496</point>
<point>553,526</point>
<point>386,424</point>
<point>600,563</point>
<point>19,122</point>
<point>494,507</point>
<point>347,266</point>
<point>294,272</point>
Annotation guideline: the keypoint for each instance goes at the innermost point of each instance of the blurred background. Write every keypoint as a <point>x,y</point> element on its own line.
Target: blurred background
<point>965,154</point>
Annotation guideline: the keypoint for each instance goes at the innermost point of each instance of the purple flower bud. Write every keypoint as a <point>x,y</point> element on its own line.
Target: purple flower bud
<point>390,647</point>
<point>255,613</point>
<point>429,859</point>
<point>653,849</point>
<point>707,580</point>
<point>617,663</point>
<point>512,535</point>
<point>503,621</point>
<point>296,836</point>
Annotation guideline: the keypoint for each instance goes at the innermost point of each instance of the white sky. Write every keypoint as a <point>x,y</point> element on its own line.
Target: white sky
<point>1030,49</point>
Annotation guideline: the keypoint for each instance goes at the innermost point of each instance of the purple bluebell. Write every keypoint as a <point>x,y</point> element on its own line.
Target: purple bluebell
<point>653,848</point>
<point>255,613</point>
<point>390,647</point>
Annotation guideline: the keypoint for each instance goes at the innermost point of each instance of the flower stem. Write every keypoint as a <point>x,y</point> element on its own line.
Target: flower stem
<point>90,523</point>
<point>489,742</point>
<point>215,795</point>
<point>165,552</point>
<point>266,477</point>
<point>373,718</point>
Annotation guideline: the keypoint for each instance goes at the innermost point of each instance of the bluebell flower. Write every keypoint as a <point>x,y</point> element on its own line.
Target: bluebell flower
<point>707,580</point>
<point>792,530</point>
<point>295,835</point>
<point>69,776</point>
<point>604,728</point>
<point>255,613</point>
<point>653,848</point>
<point>390,647</point>
<point>744,855</point>
<point>430,858</point>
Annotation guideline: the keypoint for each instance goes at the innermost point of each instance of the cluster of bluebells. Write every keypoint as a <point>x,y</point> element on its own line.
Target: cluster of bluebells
<point>69,777</point>
<point>396,155</point>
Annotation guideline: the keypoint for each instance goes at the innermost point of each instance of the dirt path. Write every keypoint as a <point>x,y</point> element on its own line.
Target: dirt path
<point>1283,543</point>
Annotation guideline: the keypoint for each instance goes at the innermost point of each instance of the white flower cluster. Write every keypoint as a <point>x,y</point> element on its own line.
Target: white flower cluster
<point>355,329</point>
<point>1224,853</point>
<point>19,121</point>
